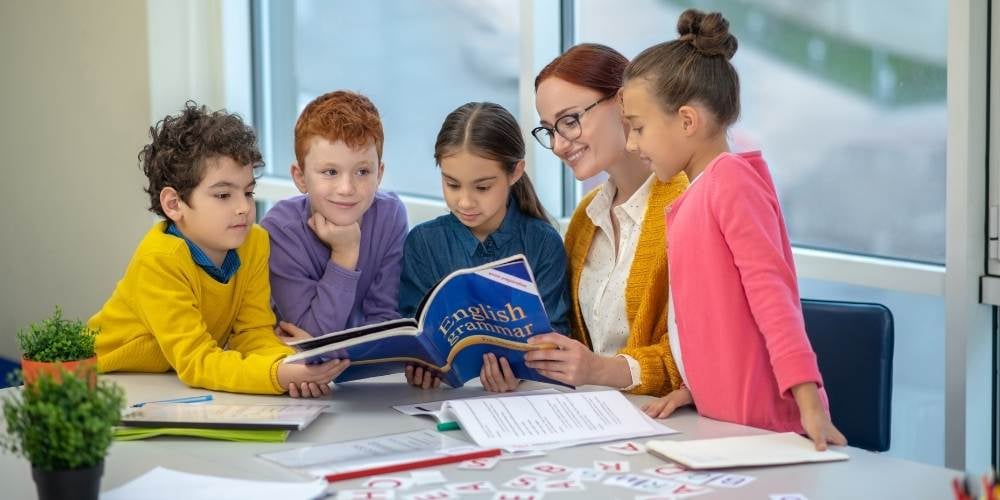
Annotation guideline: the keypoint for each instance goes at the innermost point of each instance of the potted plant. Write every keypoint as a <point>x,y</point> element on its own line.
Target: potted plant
<point>55,344</point>
<point>64,428</point>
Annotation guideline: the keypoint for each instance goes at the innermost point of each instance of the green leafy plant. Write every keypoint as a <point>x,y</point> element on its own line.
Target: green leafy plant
<point>57,339</point>
<point>60,425</point>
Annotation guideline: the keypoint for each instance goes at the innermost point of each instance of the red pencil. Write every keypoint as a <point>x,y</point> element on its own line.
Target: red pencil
<point>416,464</point>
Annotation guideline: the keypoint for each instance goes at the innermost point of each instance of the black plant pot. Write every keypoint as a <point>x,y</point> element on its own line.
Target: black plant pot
<point>71,484</point>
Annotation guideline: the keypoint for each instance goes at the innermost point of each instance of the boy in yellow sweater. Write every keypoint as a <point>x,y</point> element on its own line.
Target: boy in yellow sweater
<point>195,297</point>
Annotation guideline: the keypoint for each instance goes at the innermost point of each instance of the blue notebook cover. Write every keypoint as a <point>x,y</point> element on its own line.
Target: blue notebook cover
<point>491,308</point>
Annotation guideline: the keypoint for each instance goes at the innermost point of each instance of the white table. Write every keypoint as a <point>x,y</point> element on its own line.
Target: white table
<point>363,409</point>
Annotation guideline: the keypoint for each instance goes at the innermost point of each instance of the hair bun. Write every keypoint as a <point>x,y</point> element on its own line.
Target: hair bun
<point>707,33</point>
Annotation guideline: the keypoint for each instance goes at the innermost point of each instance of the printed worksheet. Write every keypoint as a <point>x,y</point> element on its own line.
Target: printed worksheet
<point>552,420</point>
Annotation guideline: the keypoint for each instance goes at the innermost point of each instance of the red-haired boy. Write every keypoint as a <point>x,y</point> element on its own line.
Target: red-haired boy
<point>336,250</point>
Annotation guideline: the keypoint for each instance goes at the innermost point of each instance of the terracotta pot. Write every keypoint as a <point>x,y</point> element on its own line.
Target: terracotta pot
<point>84,368</point>
<point>71,484</point>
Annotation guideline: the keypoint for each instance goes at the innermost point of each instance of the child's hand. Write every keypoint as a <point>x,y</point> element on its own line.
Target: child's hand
<point>570,362</point>
<point>344,241</point>
<point>418,376</point>
<point>497,376</point>
<point>288,332</point>
<point>663,407</point>
<point>310,380</point>
<point>815,420</point>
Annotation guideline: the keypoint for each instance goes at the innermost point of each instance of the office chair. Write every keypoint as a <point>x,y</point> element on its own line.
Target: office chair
<point>853,342</point>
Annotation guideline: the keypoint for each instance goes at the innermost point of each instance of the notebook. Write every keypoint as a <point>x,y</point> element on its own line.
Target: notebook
<point>222,416</point>
<point>238,435</point>
<point>744,451</point>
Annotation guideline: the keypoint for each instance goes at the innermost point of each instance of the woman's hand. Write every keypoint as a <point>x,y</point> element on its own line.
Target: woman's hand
<point>419,376</point>
<point>663,407</point>
<point>496,375</point>
<point>573,363</point>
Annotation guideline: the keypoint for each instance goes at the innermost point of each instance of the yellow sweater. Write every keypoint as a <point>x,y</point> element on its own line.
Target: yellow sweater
<point>646,288</point>
<point>168,313</point>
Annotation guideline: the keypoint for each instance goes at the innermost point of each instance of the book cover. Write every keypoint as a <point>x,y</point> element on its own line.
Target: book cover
<point>494,308</point>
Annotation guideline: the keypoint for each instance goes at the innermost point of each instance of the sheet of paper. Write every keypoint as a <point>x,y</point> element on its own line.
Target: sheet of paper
<point>744,451</point>
<point>331,458</point>
<point>167,484</point>
<point>552,421</point>
<point>433,408</point>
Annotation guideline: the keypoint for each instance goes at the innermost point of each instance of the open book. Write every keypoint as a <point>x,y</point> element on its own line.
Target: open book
<point>491,308</point>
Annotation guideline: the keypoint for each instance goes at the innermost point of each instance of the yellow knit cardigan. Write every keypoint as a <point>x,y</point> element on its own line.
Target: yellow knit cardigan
<point>645,290</point>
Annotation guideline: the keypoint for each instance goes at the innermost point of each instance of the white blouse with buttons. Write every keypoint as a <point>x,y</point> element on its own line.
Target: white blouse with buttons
<point>605,272</point>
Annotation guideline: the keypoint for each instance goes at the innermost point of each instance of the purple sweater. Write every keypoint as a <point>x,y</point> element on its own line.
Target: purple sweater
<point>309,290</point>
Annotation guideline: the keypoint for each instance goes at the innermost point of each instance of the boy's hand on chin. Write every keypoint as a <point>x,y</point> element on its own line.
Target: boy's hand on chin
<point>344,241</point>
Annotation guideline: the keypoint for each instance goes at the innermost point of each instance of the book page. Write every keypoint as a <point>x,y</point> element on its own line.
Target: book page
<point>435,408</point>
<point>744,451</point>
<point>552,421</point>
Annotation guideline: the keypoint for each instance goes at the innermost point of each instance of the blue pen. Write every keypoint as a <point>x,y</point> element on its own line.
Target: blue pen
<point>189,399</point>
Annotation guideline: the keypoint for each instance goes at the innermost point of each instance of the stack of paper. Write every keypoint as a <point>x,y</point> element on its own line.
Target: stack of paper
<point>222,416</point>
<point>745,451</point>
<point>543,422</point>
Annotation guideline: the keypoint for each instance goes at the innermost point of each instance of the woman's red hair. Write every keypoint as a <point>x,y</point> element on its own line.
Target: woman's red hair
<point>590,65</point>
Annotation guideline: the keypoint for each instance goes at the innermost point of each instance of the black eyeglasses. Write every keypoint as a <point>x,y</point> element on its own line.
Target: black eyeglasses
<point>568,126</point>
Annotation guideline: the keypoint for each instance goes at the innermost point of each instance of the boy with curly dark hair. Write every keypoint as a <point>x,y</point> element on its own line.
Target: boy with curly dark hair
<point>195,297</point>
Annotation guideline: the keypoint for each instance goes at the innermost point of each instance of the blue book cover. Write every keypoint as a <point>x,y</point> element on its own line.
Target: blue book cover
<point>491,308</point>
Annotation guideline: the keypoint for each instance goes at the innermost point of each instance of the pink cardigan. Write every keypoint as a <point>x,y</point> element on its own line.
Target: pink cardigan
<point>742,337</point>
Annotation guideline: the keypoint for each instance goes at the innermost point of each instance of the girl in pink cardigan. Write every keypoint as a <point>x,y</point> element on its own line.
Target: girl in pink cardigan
<point>738,335</point>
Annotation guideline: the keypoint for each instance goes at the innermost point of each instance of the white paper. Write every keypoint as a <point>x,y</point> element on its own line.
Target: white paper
<point>561,485</point>
<point>438,494</point>
<point>366,495</point>
<point>543,422</point>
<point>357,454</point>
<point>471,488</point>
<point>518,495</point>
<point>167,484</point>
<point>745,451</point>
<point>422,477</point>
<point>731,481</point>
<point>434,408</point>
<point>387,483</point>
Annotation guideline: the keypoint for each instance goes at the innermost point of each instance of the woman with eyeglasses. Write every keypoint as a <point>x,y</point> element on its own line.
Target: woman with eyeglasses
<point>617,264</point>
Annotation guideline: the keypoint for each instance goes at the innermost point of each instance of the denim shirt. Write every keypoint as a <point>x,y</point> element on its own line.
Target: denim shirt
<point>221,274</point>
<point>438,247</point>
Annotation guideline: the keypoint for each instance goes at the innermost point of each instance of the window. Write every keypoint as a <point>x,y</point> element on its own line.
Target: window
<point>846,98</point>
<point>417,61</point>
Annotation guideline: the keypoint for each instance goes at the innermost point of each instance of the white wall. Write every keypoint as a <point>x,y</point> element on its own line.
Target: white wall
<point>74,95</point>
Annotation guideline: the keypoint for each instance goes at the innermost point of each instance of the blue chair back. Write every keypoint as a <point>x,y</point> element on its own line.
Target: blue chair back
<point>6,367</point>
<point>853,342</point>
